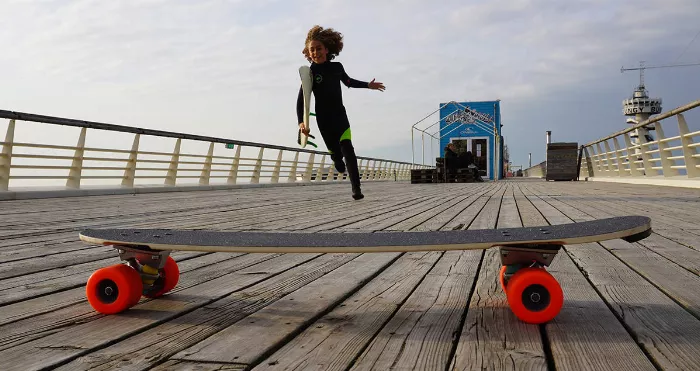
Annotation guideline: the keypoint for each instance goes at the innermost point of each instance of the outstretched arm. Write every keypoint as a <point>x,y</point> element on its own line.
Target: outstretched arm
<point>352,83</point>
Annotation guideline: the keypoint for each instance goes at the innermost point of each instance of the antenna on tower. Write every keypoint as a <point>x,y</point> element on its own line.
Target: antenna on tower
<point>642,67</point>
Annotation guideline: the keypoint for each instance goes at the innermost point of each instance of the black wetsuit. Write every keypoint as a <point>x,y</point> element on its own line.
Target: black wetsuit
<point>331,116</point>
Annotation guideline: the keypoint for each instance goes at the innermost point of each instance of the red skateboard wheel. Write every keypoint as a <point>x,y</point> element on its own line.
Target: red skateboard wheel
<point>534,295</point>
<point>114,289</point>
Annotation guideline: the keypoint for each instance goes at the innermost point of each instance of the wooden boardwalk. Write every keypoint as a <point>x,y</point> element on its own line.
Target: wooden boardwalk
<point>628,306</point>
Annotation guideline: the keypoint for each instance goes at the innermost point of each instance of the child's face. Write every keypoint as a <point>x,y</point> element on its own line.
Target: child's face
<point>317,51</point>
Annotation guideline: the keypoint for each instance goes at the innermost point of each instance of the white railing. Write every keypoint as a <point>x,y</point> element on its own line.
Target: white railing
<point>668,156</point>
<point>127,157</point>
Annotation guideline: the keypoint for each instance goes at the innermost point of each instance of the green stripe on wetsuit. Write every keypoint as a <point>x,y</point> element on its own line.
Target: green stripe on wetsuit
<point>347,135</point>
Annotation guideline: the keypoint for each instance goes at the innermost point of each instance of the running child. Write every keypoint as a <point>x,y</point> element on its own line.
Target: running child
<point>321,47</point>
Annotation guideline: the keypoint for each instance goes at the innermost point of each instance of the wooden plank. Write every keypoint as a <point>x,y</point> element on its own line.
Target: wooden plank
<point>194,272</point>
<point>682,255</point>
<point>176,365</point>
<point>665,330</point>
<point>249,340</point>
<point>585,334</point>
<point>420,335</point>
<point>320,220</point>
<point>21,310</point>
<point>29,286</point>
<point>492,337</point>
<point>385,220</point>
<point>39,264</point>
<point>336,339</point>
<point>441,220</point>
<point>78,340</point>
<point>464,219</point>
<point>438,208</point>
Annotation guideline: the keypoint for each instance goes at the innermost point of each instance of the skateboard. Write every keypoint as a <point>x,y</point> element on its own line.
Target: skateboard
<point>533,294</point>
<point>306,83</point>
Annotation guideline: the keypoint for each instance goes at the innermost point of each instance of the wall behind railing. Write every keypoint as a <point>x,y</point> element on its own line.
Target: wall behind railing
<point>536,171</point>
<point>44,151</point>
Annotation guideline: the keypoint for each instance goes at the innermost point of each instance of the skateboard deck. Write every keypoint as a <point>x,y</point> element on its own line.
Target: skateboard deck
<point>533,294</point>
<point>306,83</point>
<point>292,242</point>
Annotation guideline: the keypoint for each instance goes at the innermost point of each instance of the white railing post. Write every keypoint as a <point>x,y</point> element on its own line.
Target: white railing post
<point>130,171</point>
<point>319,173</point>
<point>608,158</point>
<point>666,163</point>
<point>331,172</point>
<point>631,156</point>
<point>233,173</point>
<point>599,158</point>
<point>76,167</point>
<point>278,166</point>
<point>691,162</point>
<point>292,177</point>
<point>646,157</point>
<point>309,168</point>
<point>365,175</point>
<point>618,158</point>
<point>589,162</point>
<point>171,177</point>
<point>6,157</point>
<point>255,179</point>
<point>206,169</point>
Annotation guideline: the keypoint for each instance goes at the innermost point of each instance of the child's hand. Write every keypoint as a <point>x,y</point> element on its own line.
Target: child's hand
<point>376,85</point>
<point>303,128</point>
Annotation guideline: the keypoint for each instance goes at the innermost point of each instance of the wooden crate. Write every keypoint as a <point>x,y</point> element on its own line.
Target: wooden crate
<point>423,176</point>
<point>562,161</point>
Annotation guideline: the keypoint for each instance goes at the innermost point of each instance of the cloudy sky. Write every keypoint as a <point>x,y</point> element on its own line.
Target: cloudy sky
<point>228,68</point>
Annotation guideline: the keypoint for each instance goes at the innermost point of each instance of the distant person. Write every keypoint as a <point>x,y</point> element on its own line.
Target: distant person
<point>451,158</point>
<point>469,162</point>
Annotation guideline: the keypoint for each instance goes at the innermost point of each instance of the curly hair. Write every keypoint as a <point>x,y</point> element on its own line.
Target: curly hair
<point>330,38</point>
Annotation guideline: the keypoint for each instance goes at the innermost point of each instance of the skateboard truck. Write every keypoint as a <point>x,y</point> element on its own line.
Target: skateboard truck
<point>542,255</point>
<point>145,261</point>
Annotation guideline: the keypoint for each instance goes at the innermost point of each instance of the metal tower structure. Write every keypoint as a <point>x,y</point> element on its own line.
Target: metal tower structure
<point>641,106</point>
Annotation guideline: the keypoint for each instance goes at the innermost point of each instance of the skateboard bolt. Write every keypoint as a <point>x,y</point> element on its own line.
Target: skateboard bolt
<point>109,291</point>
<point>535,297</point>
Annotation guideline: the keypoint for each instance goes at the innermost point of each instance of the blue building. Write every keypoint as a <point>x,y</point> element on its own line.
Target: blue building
<point>478,126</point>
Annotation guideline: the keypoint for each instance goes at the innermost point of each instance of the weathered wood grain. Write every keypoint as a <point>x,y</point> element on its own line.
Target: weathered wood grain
<point>193,272</point>
<point>585,334</point>
<point>81,339</point>
<point>421,333</point>
<point>607,322</point>
<point>492,337</point>
<point>667,332</point>
<point>249,340</point>
<point>437,208</point>
<point>336,339</point>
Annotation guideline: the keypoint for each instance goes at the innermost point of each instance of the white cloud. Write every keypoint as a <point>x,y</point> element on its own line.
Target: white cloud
<point>229,68</point>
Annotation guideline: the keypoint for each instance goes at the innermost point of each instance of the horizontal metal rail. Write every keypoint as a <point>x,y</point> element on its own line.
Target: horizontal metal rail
<point>75,166</point>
